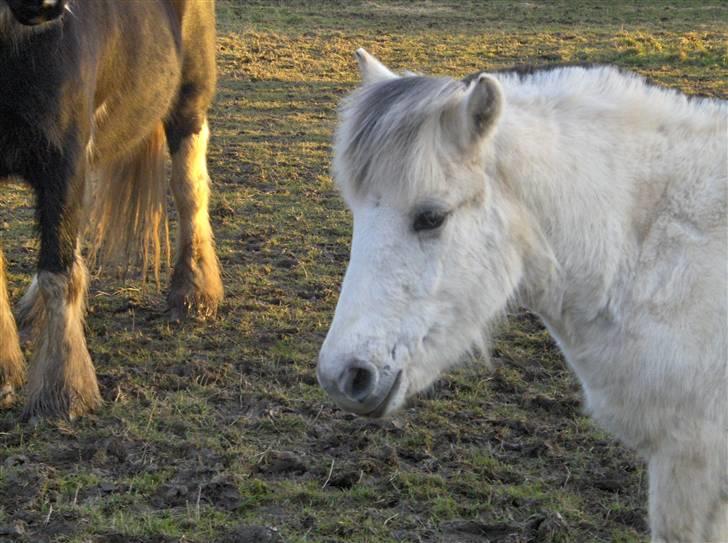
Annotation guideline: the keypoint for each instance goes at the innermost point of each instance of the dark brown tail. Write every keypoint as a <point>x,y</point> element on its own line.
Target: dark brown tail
<point>128,217</point>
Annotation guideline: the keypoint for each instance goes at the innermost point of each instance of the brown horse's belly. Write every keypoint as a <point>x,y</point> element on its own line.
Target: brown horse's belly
<point>136,88</point>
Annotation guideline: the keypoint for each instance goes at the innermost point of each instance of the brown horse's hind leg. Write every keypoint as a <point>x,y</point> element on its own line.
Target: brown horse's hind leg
<point>196,286</point>
<point>12,366</point>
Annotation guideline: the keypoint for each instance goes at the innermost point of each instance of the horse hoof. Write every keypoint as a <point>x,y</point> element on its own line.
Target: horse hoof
<point>63,406</point>
<point>34,413</point>
<point>196,286</point>
<point>197,306</point>
<point>188,301</point>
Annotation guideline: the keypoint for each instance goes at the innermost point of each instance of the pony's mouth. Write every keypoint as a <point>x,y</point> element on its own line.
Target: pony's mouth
<point>381,409</point>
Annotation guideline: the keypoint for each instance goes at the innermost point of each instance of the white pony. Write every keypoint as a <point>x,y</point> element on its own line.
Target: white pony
<point>590,196</point>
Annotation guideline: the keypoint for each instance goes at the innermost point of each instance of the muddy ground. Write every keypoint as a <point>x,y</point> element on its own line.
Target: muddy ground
<point>217,431</point>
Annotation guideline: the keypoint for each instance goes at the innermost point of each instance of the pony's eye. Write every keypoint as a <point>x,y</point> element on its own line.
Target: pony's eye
<point>429,220</point>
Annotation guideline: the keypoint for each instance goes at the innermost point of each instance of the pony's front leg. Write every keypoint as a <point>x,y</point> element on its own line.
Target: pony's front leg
<point>62,381</point>
<point>196,286</point>
<point>12,365</point>
<point>689,493</point>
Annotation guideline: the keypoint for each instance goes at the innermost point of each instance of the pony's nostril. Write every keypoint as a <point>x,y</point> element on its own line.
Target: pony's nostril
<point>359,382</point>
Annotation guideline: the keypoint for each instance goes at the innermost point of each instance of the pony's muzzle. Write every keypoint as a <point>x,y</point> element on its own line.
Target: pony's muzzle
<point>358,386</point>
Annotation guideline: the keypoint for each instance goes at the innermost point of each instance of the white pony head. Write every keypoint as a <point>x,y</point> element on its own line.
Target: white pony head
<point>437,250</point>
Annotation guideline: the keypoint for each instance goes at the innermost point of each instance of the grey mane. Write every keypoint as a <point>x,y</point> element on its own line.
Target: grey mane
<point>385,119</point>
<point>383,124</point>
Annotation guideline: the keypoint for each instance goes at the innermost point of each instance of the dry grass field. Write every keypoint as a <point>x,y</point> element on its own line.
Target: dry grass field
<point>218,432</point>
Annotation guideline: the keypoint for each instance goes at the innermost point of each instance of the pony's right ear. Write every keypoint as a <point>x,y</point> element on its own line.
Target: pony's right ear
<point>482,106</point>
<point>372,71</point>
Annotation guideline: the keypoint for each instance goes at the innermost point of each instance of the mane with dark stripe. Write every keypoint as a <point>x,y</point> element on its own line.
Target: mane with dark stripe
<point>382,125</point>
<point>383,120</point>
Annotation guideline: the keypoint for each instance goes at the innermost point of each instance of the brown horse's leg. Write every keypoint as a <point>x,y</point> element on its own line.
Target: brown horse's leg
<point>28,312</point>
<point>12,365</point>
<point>62,381</point>
<point>196,285</point>
<point>62,378</point>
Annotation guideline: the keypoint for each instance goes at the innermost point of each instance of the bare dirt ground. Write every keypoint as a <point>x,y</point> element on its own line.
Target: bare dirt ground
<point>217,431</point>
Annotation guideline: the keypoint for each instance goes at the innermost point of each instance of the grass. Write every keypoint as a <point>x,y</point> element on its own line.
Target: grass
<point>218,431</point>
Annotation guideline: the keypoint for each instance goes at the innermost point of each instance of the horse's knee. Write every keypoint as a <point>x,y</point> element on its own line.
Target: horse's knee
<point>188,117</point>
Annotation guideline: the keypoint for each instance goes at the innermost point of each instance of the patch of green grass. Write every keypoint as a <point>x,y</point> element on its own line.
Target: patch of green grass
<point>692,48</point>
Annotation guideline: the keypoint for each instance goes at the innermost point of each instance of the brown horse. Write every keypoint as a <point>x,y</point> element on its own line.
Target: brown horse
<point>89,92</point>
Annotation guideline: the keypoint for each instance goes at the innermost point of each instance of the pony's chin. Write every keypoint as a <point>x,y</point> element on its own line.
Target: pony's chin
<point>405,387</point>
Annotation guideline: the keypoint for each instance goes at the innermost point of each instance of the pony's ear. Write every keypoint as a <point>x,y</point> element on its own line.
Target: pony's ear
<point>482,106</point>
<point>372,71</point>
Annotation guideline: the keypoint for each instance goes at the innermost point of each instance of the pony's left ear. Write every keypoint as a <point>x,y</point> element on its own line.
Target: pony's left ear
<point>482,106</point>
<point>371,69</point>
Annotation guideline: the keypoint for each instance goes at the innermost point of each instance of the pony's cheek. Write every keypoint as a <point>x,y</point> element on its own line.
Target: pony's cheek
<point>440,255</point>
<point>431,279</point>
<point>419,375</point>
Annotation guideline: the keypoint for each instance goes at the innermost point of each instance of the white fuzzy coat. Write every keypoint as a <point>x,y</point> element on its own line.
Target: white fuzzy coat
<point>594,198</point>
